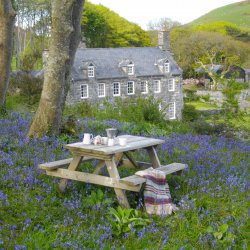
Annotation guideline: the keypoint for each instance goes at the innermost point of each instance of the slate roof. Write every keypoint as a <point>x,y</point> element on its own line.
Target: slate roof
<point>108,61</point>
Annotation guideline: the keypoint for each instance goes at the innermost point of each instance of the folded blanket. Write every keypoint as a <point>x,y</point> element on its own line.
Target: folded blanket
<point>157,197</point>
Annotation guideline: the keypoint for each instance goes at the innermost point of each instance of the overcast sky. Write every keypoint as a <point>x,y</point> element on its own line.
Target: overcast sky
<point>143,11</point>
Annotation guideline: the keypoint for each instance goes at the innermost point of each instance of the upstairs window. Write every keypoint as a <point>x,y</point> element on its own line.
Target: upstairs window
<point>166,66</point>
<point>171,84</point>
<point>157,86</point>
<point>84,91</point>
<point>130,89</point>
<point>171,111</point>
<point>91,70</point>
<point>101,90</point>
<point>131,68</point>
<point>116,89</point>
<point>144,87</point>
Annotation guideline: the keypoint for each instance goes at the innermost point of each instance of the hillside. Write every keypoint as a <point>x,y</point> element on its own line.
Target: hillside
<point>237,13</point>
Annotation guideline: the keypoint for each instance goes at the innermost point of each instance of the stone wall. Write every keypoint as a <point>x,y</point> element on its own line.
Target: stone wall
<point>165,96</point>
<point>218,98</point>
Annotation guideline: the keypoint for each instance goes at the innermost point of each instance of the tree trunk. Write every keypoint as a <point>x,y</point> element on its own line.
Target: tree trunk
<point>7,21</point>
<point>65,37</point>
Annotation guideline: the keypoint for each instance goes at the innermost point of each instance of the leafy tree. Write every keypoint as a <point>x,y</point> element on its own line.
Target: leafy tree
<point>104,28</point>
<point>206,49</point>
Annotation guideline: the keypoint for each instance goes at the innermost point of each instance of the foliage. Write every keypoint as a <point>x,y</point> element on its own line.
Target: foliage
<point>189,113</point>
<point>126,220</point>
<point>212,194</point>
<point>104,28</point>
<point>25,85</point>
<point>236,13</point>
<point>230,90</point>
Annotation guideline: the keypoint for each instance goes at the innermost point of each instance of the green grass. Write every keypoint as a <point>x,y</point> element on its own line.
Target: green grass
<point>202,105</point>
<point>237,13</point>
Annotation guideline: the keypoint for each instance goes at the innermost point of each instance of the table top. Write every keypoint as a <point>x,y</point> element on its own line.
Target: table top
<point>133,143</point>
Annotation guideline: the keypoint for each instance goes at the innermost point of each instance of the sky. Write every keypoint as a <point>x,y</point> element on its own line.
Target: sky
<point>143,11</point>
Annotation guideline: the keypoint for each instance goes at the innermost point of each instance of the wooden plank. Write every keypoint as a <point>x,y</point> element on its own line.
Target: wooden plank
<point>134,163</point>
<point>133,180</point>
<point>167,169</point>
<point>134,142</point>
<point>173,167</point>
<point>92,178</point>
<point>72,166</point>
<point>60,163</point>
<point>120,194</point>
<point>153,157</point>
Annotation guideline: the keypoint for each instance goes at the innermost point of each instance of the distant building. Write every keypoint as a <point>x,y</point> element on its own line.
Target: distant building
<point>240,74</point>
<point>100,74</point>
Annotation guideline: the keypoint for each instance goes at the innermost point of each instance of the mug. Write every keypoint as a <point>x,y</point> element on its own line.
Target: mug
<point>111,142</point>
<point>104,140</point>
<point>87,139</point>
<point>123,141</point>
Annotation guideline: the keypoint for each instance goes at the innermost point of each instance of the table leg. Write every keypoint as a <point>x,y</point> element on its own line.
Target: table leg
<point>120,193</point>
<point>153,156</point>
<point>72,166</point>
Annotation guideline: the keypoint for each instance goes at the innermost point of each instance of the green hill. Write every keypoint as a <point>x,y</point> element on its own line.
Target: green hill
<point>237,13</point>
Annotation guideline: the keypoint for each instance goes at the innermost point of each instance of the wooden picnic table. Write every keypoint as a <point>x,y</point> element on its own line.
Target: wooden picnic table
<point>111,157</point>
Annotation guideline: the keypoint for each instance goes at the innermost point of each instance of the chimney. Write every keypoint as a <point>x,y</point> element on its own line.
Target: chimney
<point>163,40</point>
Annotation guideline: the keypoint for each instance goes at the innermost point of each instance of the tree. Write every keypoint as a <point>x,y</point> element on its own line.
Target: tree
<point>163,24</point>
<point>65,37</point>
<point>104,28</point>
<point>7,21</point>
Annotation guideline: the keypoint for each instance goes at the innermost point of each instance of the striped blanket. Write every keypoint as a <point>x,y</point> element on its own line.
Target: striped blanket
<point>157,197</point>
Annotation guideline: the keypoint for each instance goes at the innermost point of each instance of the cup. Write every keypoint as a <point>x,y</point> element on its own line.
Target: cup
<point>97,140</point>
<point>104,140</point>
<point>111,142</point>
<point>123,141</point>
<point>87,138</point>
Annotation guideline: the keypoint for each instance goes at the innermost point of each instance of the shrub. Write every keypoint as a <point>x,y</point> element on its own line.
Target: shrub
<point>190,113</point>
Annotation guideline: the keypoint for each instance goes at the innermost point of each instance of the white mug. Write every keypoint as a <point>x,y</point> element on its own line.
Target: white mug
<point>87,139</point>
<point>111,142</point>
<point>123,141</point>
<point>104,140</point>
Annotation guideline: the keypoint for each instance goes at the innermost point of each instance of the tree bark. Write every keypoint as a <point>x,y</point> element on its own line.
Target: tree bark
<point>65,37</point>
<point>7,21</point>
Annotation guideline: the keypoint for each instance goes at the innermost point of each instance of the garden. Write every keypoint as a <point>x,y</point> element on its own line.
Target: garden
<point>212,193</point>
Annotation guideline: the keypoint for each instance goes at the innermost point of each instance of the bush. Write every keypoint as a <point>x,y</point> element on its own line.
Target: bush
<point>189,113</point>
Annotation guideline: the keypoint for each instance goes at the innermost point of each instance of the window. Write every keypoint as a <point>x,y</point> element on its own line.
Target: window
<point>116,89</point>
<point>171,110</point>
<point>144,87</point>
<point>130,89</point>
<point>167,67</point>
<point>101,90</point>
<point>84,91</point>
<point>91,70</point>
<point>171,84</point>
<point>157,86</point>
<point>131,68</point>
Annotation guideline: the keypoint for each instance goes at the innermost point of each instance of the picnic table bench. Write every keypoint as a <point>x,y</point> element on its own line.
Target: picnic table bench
<point>111,157</point>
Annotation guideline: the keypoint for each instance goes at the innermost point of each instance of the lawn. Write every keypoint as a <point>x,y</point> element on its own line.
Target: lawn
<point>212,194</point>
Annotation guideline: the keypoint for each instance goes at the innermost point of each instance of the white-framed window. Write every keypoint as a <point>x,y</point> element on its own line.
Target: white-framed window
<point>116,89</point>
<point>101,90</point>
<point>130,88</point>
<point>131,68</point>
<point>166,66</point>
<point>91,70</point>
<point>157,86</point>
<point>84,91</point>
<point>171,111</point>
<point>171,84</point>
<point>144,87</point>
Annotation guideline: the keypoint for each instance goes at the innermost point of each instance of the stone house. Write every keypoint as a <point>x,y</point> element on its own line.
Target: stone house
<point>100,74</point>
